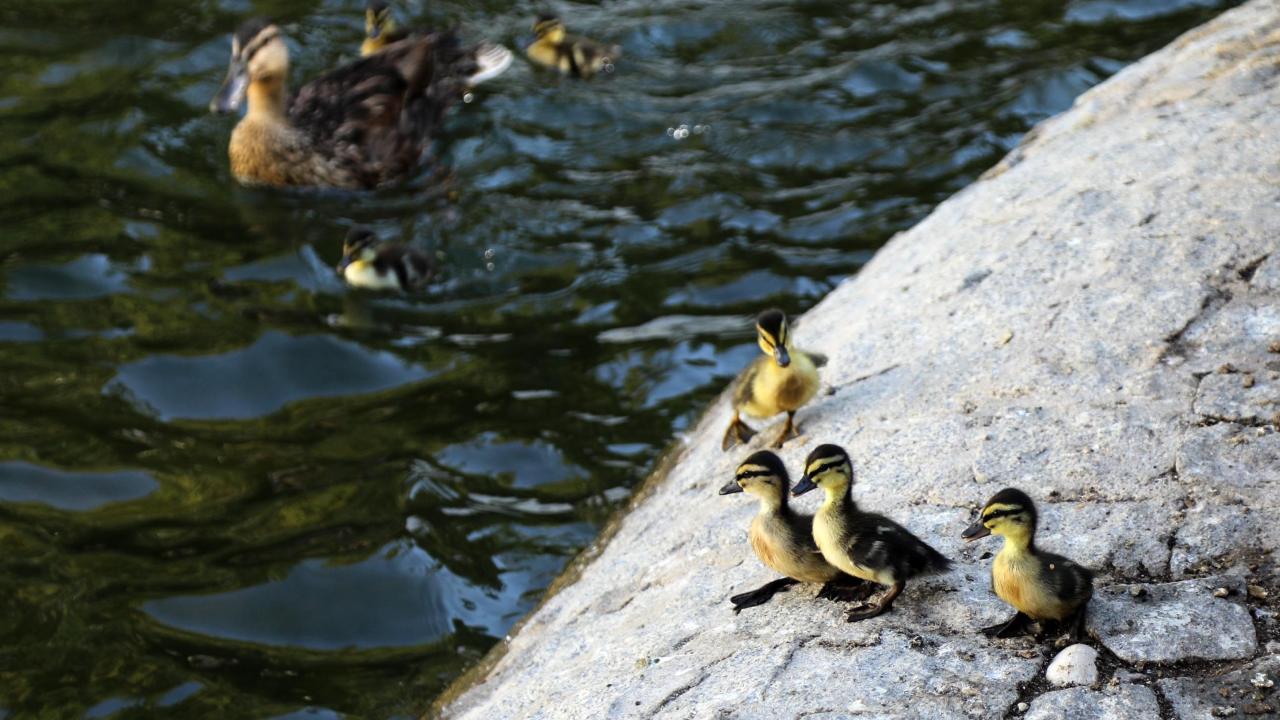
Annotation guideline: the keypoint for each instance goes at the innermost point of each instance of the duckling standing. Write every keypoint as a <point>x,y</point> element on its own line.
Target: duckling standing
<point>381,31</point>
<point>782,381</point>
<point>781,537</point>
<point>365,124</point>
<point>366,264</point>
<point>1039,585</point>
<point>865,545</point>
<point>553,48</point>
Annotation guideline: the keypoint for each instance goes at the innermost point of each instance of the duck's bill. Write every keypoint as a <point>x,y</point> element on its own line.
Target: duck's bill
<point>781,356</point>
<point>975,531</point>
<point>730,488</point>
<point>341,267</point>
<point>804,486</point>
<point>231,94</point>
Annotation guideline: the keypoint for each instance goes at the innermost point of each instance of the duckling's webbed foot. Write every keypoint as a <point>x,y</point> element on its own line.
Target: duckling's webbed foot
<point>760,595</point>
<point>1017,625</point>
<point>738,432</point>
<point>866,611</point>
<point>788,430</point>
<point>1076,623</point>
<point>847,588</point>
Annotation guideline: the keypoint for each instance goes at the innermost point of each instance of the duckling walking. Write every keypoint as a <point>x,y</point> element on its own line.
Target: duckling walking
<point>365,124</point>
<point>865,545</point>
<point>1039,585</point>
<point>381,31</point>
<point>781,537</point>
<point>782,381</point>
<point>366,264</point>
<point>553,48</point>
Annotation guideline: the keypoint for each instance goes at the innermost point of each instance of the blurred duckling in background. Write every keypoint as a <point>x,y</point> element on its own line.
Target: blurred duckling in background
<point>783,538</point>
<point>781,381</point>
<point>1041,586</point>
<point>381,31</point>
<point>553,48</point>
<point>368,264</point>
<point>865,545</point>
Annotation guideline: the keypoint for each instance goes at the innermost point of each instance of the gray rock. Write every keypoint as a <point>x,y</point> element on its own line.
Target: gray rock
<point>1124,702</point>
<point>1230,694</point>
<point>1175,621</point>
<point>1048,327</point>
<point>1075,665</point>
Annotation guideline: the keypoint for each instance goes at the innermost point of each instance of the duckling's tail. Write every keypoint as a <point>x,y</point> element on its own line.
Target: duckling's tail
<point>491,61</point>
<point>930,561</point>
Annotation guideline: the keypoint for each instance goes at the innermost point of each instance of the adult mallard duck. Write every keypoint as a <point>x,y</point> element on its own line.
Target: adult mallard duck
<point>381,31</point>
<point>1040,585</point>
<point>782,380</point>
<point>365,124</point>
<point>555,49</point>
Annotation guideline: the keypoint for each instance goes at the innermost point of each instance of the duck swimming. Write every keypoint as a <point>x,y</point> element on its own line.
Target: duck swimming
<point>783,380</point>
<point>1041,586</point>
<point>365,124</point>
<point>381,31</point>
<point>781,537</point>
<point>555,49</point>
<point>865,545</point>
<point>387,266</point>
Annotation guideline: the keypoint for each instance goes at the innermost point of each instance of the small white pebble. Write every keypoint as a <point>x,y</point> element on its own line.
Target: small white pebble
<point>1023,707</point>
<point>1075,665</point>
<point>1260,680</point>
<point>1221,592</point>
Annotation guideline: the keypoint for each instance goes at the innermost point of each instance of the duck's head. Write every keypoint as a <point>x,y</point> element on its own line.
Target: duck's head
<point>1010,513</point>
<point>258,55</point>
<point>377,19</point>
<point>548,27</point>
<point>773,336</point>
<point>763,475</point>
<point>827,467</point>
<point>361,245</point>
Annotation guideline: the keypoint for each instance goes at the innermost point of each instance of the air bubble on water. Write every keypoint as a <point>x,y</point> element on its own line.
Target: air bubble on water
<point>489,266</point>
<point>468,97</point>
<point>489,253</point>
<point>679,133</point>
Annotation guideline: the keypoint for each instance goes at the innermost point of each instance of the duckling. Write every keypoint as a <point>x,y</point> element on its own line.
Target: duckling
<point>1039,585</point>
<point>569,54</point>
<point>783,538</point>
<point>365,124</point>
<point>381,31</point>
<point>865,545</point>
<point>782,381</point>
<point>366,264</point>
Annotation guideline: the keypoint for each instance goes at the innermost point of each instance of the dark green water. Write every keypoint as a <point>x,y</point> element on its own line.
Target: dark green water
<point>229,488</point>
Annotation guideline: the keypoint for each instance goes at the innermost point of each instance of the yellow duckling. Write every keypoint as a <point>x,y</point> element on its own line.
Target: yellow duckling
<point>365,124</point>
<point>569,54</point>
<point>381,31</point>
<point>781,381</point>
<point>783,538</point>
<point>366,264</point>
<point>1039,585</point>
<point>865,545</point>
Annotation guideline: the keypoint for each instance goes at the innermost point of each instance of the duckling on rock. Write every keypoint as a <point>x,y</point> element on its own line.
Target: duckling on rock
<point>553,48</point>
<point>865,545</point>
<point>1041,586</point>
<point>783,538</point>
<point>782,381</point>
<point>365,124</point>
<point>387,266</point>
<point>381,31</point>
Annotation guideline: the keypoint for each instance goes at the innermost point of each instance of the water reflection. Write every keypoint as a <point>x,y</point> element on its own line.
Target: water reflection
<point>227,483</point>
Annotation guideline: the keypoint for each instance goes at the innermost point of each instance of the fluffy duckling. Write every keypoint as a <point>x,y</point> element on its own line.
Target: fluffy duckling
<point>865,545</point>
<point>1039,585</point>
<point>381,31</point>
<point>781,537</point>
<point>781,381</point>
<point>387,266</point>
<point>365,124</point>
<point>569,54</point>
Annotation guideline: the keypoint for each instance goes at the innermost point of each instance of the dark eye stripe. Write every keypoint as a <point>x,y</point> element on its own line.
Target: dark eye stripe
<point>1001,513</point>
<point>829,465</point>
<point>257,44</point>
<point>753,474</point>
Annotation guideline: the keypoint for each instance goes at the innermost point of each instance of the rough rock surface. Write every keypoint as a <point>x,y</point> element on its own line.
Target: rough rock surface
<point>1093,321</point>
<point>1251,691</point>
<point>1124,702</point>
<point>1175,621</point>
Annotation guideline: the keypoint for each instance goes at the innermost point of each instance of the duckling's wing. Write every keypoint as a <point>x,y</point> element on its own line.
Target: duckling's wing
<point>879,542</point>
<point>743,387</point>
<point>412,268</point>
<point>1067,579</point>
<point>375,116</point>
<point>818,359</point>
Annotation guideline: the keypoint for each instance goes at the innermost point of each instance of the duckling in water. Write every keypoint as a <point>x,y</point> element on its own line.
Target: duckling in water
<point>783,538</point>
<point>1039,585</point>
<point>569,54</point>
<point>381,31</point>
<point>365,124</point>
<point>366,264</point>
<point>865,545</point>
<point>782,381</point>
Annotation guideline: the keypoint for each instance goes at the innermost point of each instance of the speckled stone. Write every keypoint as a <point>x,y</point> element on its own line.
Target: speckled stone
<point>1124,702</point>
<point>1175,621</point>
<point>1252,691</point>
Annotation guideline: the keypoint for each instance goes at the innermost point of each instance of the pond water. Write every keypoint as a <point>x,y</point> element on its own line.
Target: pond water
<point>231,488</point>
